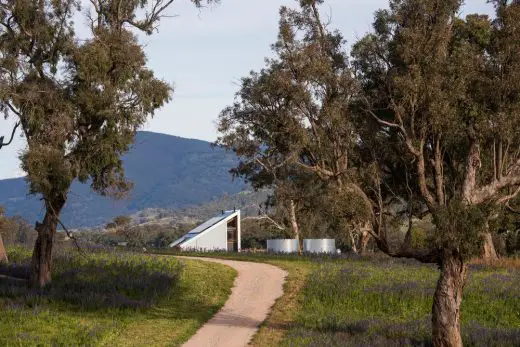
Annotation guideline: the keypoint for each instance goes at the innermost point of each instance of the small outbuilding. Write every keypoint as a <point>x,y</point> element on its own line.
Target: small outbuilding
<point>220,233</point>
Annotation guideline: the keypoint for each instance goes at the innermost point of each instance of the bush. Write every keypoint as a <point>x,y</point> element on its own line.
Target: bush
<point>513,242</point>
<point>419,238</point>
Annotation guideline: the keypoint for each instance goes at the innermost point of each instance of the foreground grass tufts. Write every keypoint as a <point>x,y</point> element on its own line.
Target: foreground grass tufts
<point>373,303</point>
<point>381,301</point>
<point>111,299</point>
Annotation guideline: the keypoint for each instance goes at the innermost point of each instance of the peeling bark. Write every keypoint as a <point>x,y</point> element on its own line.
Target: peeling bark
<point>41,261</point>
<point>353,242</point>
<point>447,300</point>
<point>488,252</point>
<point>439,173</point>
<point>294,225</point>
<point>470,178</point>
<point>364,237</point>
<point>423,186</point>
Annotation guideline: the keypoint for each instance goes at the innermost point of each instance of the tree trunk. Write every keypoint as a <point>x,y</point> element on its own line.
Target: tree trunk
<point>364,237</point>
<point>352,241</point>
<point>294,225</point>
<point>447,300</point>
<point>3,253</point>
<point>41,262</point>
<point>489,252</point>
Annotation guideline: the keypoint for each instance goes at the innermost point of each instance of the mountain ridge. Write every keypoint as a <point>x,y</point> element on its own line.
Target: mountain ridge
<point>168,172</point>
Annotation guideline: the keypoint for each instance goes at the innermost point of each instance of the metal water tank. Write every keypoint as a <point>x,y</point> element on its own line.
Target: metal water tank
<point>282,246</point>
<point>319,245</point>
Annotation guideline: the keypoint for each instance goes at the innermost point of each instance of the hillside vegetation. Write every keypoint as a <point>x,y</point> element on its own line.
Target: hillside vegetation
<point>191,172</point>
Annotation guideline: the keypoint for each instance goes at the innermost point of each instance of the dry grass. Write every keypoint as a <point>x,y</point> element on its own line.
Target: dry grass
<point>502,263</point>
<point>281,318</point>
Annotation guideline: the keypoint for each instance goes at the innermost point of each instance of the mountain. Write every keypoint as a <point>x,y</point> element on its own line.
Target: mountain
<point>168,172</point>
<point>247,201</point>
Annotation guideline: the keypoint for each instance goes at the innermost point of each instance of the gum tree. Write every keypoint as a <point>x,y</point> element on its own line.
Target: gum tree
<point>296,111</point>
<point>444,95</point>
<point>3,253</point>
<point>79,102</point>
<point>3,143</point>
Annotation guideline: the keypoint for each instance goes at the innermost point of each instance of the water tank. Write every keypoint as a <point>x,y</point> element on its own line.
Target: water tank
<point>282,246</point>
<point>319,245</point>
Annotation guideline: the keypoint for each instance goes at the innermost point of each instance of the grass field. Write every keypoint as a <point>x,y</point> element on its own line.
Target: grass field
<point>115,299</point>
<point>380,301</point>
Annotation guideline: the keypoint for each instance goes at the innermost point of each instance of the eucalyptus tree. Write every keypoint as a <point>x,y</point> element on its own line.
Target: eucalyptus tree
<point>4,142</point>
<point>79,102</point>
<point>444,95</point>
<point>3,253</point>
<point>296,111</point>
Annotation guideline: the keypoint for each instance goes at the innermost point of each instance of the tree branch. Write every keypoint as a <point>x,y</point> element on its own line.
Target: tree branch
<point>2,143</point>
<point>489,191</point>
<point>147,24</point>
<point>266,217</point>
<point>509,197</point>
<point>69,234</point>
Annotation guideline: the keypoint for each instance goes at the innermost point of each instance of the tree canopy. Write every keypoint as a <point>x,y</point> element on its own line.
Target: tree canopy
<point>79,103</point>
<point>424,112</point>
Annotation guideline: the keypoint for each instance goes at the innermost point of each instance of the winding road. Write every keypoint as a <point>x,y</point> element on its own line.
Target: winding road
<point>256,288</point>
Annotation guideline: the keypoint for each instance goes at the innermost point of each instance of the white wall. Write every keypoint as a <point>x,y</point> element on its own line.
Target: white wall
<point>215,239</point>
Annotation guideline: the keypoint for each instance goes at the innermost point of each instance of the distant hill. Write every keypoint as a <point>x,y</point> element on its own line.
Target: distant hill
<point>247,201</point>
<point>168,172</point>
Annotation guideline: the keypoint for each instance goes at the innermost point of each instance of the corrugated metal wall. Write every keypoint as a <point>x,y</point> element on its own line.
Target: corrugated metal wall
<point>282,246</point>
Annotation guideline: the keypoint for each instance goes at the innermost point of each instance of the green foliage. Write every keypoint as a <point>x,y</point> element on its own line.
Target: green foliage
<point>419,238</point>
<point>255,234</point>
<point>78,122</point>
<point>148,236</point>
<point>291,123</point>
<point>458,228</point>
<point>18,254</point>
<point>513,242</point>
<point>15,231</point>
<point>122,221</point>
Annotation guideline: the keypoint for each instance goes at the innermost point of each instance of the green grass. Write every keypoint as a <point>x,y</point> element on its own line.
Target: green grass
<point>112,300</point>
<point>381,301</point>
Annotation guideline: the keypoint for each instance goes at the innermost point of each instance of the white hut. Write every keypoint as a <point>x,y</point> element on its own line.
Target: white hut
<point>220,233</point>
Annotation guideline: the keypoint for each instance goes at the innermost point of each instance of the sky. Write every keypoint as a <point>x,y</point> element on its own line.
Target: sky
<point>203,53</point>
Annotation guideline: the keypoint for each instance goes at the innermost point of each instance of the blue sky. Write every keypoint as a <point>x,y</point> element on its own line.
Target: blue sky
<point>204,53</point>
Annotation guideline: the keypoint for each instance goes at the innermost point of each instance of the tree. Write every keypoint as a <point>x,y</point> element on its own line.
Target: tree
<point>79,102</point>
<point>3,253</point>
<point>294,115</point>
<point>443,94</point>
<point>13,132</point>
<point>15,230</point>
<point>122,221</point>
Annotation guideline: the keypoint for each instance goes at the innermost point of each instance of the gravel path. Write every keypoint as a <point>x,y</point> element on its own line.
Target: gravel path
<point>256,288</point>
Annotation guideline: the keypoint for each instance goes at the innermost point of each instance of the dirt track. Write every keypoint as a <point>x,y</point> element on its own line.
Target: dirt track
<point>256,288</point>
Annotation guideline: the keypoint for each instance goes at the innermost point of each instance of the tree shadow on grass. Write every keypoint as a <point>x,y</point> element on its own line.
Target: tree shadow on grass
<point>94,285</point>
